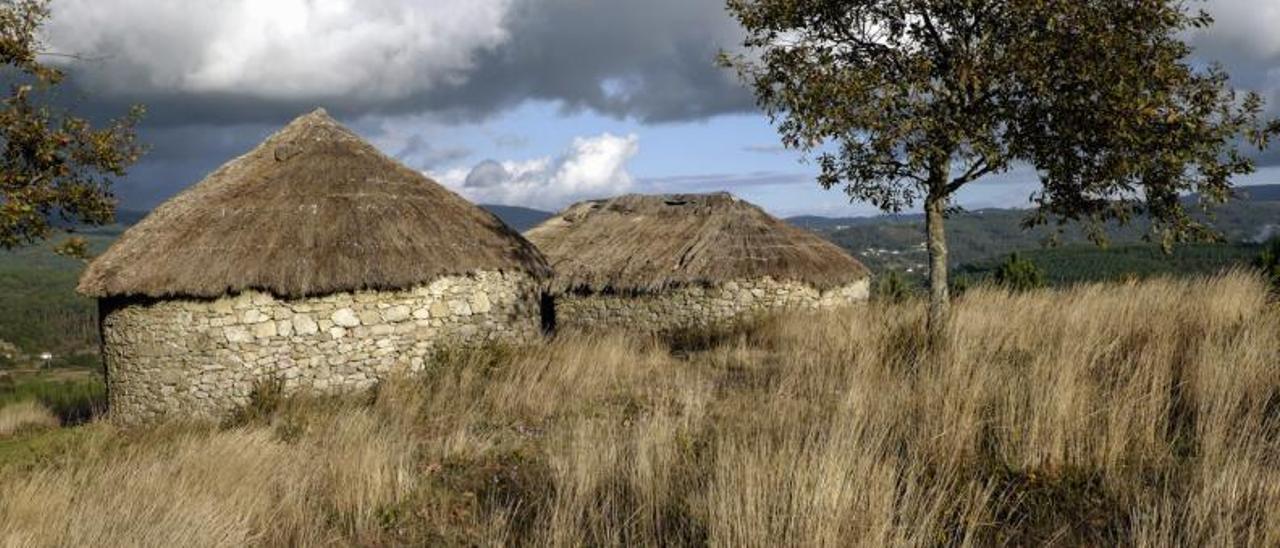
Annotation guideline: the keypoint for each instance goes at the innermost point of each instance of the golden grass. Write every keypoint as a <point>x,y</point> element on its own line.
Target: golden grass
<point>1142,414</point>
<point>25,416</point>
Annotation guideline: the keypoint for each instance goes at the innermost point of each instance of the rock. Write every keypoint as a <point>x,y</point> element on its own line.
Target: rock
<point>344,317</point>
<point>284,328</point>
<point>304,325</point>
<point>222,306</point>
<point>460,308</point>
<point>237,334</point>
<point>397,313</point>
<point>264,330</point>
<point>422,313</point>
<point>480,303</point>
<point>252,316</point>
<point>370,317</point>
<point>242,301</point>
<point>337,333</point>
<point>439,309</point>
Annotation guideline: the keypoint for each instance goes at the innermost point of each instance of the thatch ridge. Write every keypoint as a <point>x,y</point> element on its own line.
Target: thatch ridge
<point>644,243</point>
<point>312,210</point>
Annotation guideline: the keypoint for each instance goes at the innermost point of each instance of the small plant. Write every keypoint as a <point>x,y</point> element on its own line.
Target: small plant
<point>1019,274</point>
<point>892,287</point>
<point>1269,262</point>
<point>265,399</point>
<point>961,283</point>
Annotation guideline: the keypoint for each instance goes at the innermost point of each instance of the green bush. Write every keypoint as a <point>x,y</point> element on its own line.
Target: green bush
<point>892,287</point>
<point>1019,274</point>
<point>1269,262</point>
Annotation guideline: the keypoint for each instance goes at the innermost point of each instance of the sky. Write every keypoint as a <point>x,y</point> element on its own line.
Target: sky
<point>536,103</point>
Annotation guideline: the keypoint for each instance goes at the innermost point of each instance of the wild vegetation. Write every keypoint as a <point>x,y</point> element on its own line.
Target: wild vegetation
<point>1143,414</point>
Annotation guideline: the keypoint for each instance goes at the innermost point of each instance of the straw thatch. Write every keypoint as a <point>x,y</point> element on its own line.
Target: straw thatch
<point>639,243</point>
<point>312,210</point>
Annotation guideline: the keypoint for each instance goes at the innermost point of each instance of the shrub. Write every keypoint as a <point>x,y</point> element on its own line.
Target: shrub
<point>1019,274</point>
<point>1269,262</point>
<point>892,287</point>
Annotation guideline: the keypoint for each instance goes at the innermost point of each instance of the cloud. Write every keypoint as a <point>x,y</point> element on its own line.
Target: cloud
<point>361,50</point>
<point>250,61</point>
<point>593,167</point>
<point>766,149</point>
<point>712,182</point>
<point>420,153</point>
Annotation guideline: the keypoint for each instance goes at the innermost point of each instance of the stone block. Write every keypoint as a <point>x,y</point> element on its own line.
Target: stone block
<point>344,317</point>
<point>369,317</point>
<point>480,303</point>
<point>264,330</point>
<point>398,313</point>
<point>252,316</point>
<point>221,306</point>
<point>304,325</point>
<point>237,334</point>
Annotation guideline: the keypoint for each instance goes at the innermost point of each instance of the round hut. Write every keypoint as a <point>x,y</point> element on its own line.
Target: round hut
<point>665,262</point>
<point>314,261</point>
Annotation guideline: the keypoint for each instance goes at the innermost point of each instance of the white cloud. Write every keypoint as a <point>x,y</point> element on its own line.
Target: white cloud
<point>593,167</point>
<point>277,49</point>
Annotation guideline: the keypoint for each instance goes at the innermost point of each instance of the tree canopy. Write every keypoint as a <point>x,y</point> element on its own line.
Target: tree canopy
<point>53,165</point>
<point>902,101</point>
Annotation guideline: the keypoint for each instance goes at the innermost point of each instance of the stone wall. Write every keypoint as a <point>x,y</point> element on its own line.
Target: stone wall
<point>203,357</point>
<point>699,306</point>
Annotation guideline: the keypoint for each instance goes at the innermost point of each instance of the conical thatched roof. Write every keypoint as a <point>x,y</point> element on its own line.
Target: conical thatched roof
<point>649,243</point>
<point>312,210</point>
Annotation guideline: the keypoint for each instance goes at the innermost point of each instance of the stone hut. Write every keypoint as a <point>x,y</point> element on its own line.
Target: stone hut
<point>313,260</point>
<point>661,263</point>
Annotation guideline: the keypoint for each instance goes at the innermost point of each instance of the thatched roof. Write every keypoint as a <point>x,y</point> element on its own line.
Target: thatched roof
<point>649,243</point>
<point>312,210</point>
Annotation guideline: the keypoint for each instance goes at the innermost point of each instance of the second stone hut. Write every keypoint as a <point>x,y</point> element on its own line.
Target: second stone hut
<point>666,262</point>
<point>314,261</point>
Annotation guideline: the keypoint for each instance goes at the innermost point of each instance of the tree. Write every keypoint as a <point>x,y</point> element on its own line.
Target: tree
<point>910,100</point>
<point>53,165</point>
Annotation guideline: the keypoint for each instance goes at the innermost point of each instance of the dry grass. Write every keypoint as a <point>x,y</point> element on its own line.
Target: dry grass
<point>25,416</point>
<point>1144,414</point>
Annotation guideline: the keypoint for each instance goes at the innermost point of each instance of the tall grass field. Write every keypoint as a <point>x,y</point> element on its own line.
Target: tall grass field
<point>1142,414</point>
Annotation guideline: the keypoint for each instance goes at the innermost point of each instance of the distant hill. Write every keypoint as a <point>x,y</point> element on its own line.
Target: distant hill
<point>896,242</point>
<point>1083,263</point>
<point>1263,193</point>
<point>519,218</point>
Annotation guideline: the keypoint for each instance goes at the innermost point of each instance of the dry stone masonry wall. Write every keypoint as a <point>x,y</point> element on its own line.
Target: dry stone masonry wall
<point>698,306</point>
<point>203,358</point>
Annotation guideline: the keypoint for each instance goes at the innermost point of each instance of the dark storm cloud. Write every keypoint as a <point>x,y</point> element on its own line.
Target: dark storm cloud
<point>419,153</point>
<point>212,90</point>
<point>651,60</point>
<point>217,77</point>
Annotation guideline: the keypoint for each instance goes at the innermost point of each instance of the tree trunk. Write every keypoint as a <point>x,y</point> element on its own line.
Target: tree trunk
<point>939,295</point>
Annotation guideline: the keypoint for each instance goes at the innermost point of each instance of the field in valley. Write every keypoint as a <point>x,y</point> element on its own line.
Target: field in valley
<point>1143,414</point>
